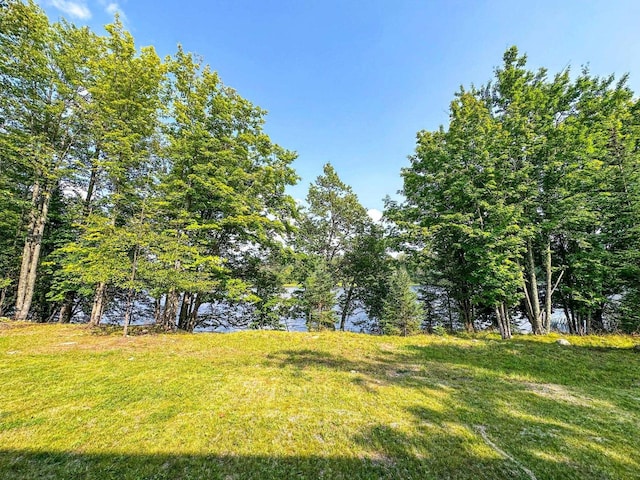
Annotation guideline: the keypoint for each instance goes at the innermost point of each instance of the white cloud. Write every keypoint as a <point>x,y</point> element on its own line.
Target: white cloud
<point>374,214</point>
<point>73,9</point>
<point>112,8</point>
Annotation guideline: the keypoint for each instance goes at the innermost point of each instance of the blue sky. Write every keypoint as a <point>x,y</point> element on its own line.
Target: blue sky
<point>351,82</point>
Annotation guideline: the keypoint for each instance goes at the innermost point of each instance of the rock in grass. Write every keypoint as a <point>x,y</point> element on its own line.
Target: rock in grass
<point>564,342</point>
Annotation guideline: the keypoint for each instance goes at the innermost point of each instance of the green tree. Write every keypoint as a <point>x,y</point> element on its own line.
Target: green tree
<point>41,67</point>
<point>367,266</point>
<point>222,199</point>
<point>402,314</point>
<point>317,298</point>
<point>329,229</point>
<point>123,104</point>
<point>462,211</point>
<point>523,185</point>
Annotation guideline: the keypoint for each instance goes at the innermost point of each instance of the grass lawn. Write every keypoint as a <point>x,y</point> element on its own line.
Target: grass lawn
<point>276,405</point>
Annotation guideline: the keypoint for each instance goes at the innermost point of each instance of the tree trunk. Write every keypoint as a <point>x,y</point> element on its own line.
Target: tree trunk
<point>66,310</point>
<point>185,310</point>
<point>534,298</point>
<point>345,308</point>
<point>507,321</point>
<point>40,200</point>
<point>597,322</point>
<point>131,292</point>
<point>502,317</point>
<point>86,209</point>
<point>466,311</point>
<point>3,296</point>
<point>548,303</point>
<point>499,320</point>
<point>157,311</point>
<point>170,310</point>
<point>98,304</point>
<point>577,319</point>
<point>26,253</point>
<point>193,315</point>
<point>567,314</point>
<point>127,312</point>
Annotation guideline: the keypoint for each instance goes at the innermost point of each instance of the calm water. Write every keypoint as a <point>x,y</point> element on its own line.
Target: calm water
<point>222,318</point>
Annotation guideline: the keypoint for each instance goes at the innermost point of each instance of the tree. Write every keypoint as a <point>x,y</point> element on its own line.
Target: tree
<point>519,187</point>
<point>317,298</point>
<point>402,314</point>
<point>222,199</point>
<point>461,207</point>
<point>42,112</point>
<point>123,109</point>
<point>268,273</point>
<point>329,229</point>
<point>367,266</point>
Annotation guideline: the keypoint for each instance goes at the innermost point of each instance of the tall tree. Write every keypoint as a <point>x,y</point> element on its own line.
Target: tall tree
<point>519,187</point>
<point>42,109</point>
<point>461,206</point>
<point>223,197</point>
<point>330,225</point>
<point>123,98</point>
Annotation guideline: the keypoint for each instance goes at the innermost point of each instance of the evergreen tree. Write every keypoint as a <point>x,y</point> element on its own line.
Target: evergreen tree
<point>402,314</point>
<point>329,230</point>
<point>317,298</point>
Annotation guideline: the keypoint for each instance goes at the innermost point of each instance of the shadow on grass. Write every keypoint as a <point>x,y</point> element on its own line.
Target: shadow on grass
<point>464,410</point>
<point>579,366</point>
<point>396,464</point>
<point>301,359</point>
<point>540,362</point>
<point>393,463</point>
<point>560,412</point>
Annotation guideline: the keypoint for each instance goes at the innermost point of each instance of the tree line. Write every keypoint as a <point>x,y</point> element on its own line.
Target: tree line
<point>127,180</point>
<point>530,201</point>
<point>133,186</point>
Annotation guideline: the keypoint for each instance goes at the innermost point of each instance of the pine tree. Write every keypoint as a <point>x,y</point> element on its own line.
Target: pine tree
<point>329,230</point>
<point>402,314</point>
<point>317,298</point>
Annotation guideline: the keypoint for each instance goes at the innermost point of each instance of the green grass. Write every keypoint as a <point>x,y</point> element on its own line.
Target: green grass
<point>261,405</point>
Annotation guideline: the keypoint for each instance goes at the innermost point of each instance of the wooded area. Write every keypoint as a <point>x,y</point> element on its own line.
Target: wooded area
<point>144,187</point>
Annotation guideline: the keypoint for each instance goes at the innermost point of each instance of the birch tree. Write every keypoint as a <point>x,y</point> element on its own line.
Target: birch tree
<point>42,109</point>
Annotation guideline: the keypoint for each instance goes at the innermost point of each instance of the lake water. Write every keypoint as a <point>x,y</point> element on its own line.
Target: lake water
<point>220,318</point>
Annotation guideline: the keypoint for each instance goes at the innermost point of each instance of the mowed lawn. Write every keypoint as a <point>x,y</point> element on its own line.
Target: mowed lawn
<point>277,405</point>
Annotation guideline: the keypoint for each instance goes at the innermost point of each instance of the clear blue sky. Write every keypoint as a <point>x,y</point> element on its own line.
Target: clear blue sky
<point>351,82</point>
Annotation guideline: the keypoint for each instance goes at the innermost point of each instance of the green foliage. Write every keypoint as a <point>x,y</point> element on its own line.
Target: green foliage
<point>402,314</point>
<point>369,266</point>
<point>180,205</point>
<point>222,199</point>
<point>439,330</point>
<point>531,171</point>
<point>336,231</point>
<point>123,171</point>
<point>332,219</point>
<point>317,298</point>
